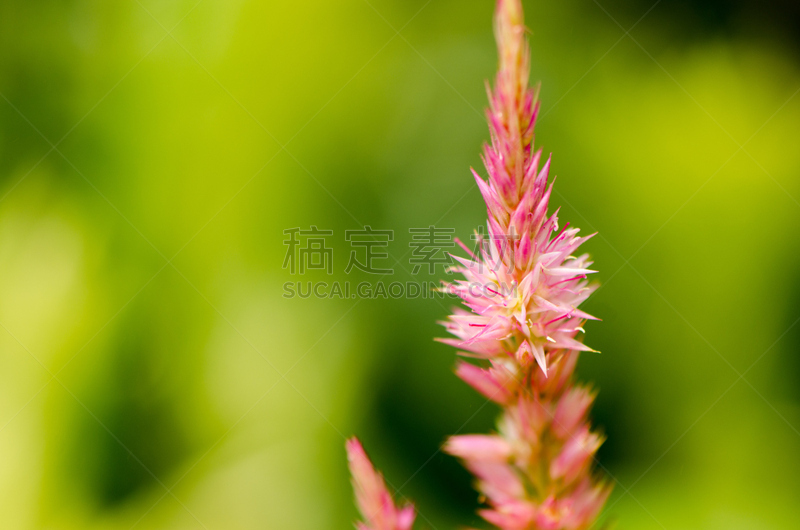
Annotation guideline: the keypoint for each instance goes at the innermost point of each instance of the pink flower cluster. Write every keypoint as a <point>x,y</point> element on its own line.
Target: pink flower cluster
<point>523,325</point>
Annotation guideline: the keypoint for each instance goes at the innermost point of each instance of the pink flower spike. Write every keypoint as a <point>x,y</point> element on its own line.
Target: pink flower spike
<point>372,498</point>
<point>521,290</point>
<point>537,472</point>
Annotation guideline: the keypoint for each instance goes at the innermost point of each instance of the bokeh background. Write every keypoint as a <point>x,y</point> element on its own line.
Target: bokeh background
<point>152,374</point>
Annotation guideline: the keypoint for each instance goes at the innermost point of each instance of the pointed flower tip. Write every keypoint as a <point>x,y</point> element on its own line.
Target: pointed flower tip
<point>373,499</point>
<point>354,448</point>
<point>479,447</point>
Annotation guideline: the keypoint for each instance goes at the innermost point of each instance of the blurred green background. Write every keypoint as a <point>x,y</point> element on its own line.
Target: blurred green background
<point>152,375</point>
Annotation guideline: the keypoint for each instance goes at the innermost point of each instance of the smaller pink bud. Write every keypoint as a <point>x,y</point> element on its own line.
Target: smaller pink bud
<point>571,411</point>
<point>524,354</point>
<point>479,447</point>
<point>527,418</point>
<point>575,455</point>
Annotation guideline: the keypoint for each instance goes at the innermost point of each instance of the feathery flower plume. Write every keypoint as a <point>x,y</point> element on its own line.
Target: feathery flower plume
<point>524,286</point>
<point>373,499</point>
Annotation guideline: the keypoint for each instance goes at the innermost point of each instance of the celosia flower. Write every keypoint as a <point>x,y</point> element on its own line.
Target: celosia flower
<point>373,499</point>
<point>523,287</point>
